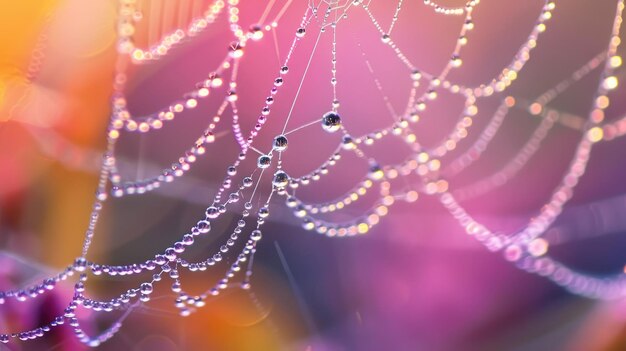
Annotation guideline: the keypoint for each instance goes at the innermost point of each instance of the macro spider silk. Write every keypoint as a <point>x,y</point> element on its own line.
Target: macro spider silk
<point>321,175</point>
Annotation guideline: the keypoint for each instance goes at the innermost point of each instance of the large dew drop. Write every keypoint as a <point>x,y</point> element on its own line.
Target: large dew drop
<point>331,122</point>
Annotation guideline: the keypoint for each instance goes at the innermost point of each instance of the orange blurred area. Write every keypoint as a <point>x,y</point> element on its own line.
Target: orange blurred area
<point>52,107</point>
<point>65,92</point>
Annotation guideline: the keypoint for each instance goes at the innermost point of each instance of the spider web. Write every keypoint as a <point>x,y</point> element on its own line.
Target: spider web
<point>356,182</point>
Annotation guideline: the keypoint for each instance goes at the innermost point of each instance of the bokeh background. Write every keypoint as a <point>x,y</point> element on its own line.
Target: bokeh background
<point>415,282</point>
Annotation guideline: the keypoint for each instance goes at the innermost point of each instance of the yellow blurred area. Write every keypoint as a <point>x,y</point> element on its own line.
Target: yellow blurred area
<point>20,22</point>
<point>19,26</point>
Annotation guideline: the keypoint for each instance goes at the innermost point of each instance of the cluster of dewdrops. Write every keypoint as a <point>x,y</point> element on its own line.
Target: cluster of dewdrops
<point>236,192</point>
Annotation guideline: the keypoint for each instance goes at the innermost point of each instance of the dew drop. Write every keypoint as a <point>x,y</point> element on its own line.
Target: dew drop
<point>280,143</point>
<point>264,161</point>
<point>281,179</point>
<point>331,122</point>
<point>255,235</point>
